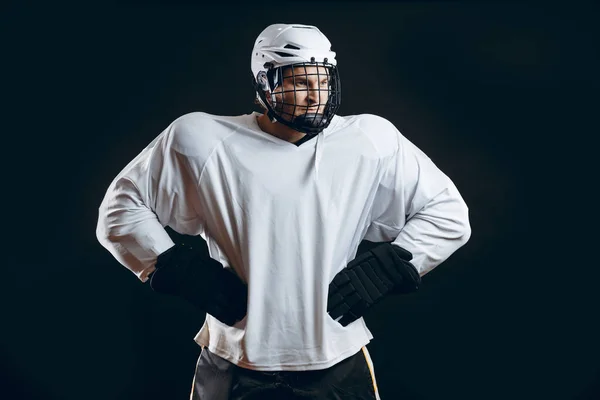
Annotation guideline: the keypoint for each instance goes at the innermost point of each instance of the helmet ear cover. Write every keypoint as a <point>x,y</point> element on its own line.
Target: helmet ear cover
<point>262,82</point>
<point>268,80</point>
<point>274,76</point>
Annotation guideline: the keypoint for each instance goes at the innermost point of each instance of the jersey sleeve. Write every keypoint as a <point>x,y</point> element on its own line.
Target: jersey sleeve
<point>418,207</point>
<point>154,190</point>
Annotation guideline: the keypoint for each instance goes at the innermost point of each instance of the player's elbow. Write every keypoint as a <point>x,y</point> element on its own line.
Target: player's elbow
<point>117,211</point>
<point>100,231</point>
<point>107,226</point>
<point>453,217</point>
<point>103,232</point>
<point>111,232</point>
<point>463,227</point>
<point>465,233</point>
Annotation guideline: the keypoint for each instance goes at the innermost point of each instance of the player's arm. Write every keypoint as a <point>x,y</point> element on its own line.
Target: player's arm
<point>426,208</point>
<point>420,220</point>
<point>149,194</point>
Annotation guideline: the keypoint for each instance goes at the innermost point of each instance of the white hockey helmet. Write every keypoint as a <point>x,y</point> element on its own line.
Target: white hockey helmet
<point>281,45</point>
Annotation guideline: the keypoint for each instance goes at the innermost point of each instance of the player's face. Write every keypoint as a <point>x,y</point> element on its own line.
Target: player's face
<point>305,89</point>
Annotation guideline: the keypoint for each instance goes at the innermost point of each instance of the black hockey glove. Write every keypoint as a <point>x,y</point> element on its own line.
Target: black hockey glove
<point>201,280</point>
<point>368,278</point>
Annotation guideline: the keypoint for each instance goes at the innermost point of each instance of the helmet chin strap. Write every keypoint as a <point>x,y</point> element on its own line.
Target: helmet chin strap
<point>271,116</point>
<point>311,120</point>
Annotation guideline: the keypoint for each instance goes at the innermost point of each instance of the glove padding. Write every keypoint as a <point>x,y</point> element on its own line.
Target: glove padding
<point>367,279</point>
<point>201,280</point>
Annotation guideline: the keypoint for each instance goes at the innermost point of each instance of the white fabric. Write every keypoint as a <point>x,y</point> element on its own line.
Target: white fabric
<point>286,218</point>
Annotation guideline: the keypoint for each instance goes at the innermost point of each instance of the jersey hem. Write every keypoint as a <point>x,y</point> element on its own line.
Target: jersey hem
<point>287,367</point>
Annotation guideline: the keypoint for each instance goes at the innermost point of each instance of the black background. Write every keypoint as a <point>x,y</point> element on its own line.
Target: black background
<point>499,95</point>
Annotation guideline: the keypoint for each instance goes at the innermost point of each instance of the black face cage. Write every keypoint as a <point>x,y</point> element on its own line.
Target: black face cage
<point>309,121</point>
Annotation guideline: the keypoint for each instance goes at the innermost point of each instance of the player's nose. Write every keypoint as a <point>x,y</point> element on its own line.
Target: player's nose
<point>314,94</point>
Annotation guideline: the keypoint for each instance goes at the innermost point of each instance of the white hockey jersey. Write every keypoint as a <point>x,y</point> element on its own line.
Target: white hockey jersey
<point>286,218</point>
